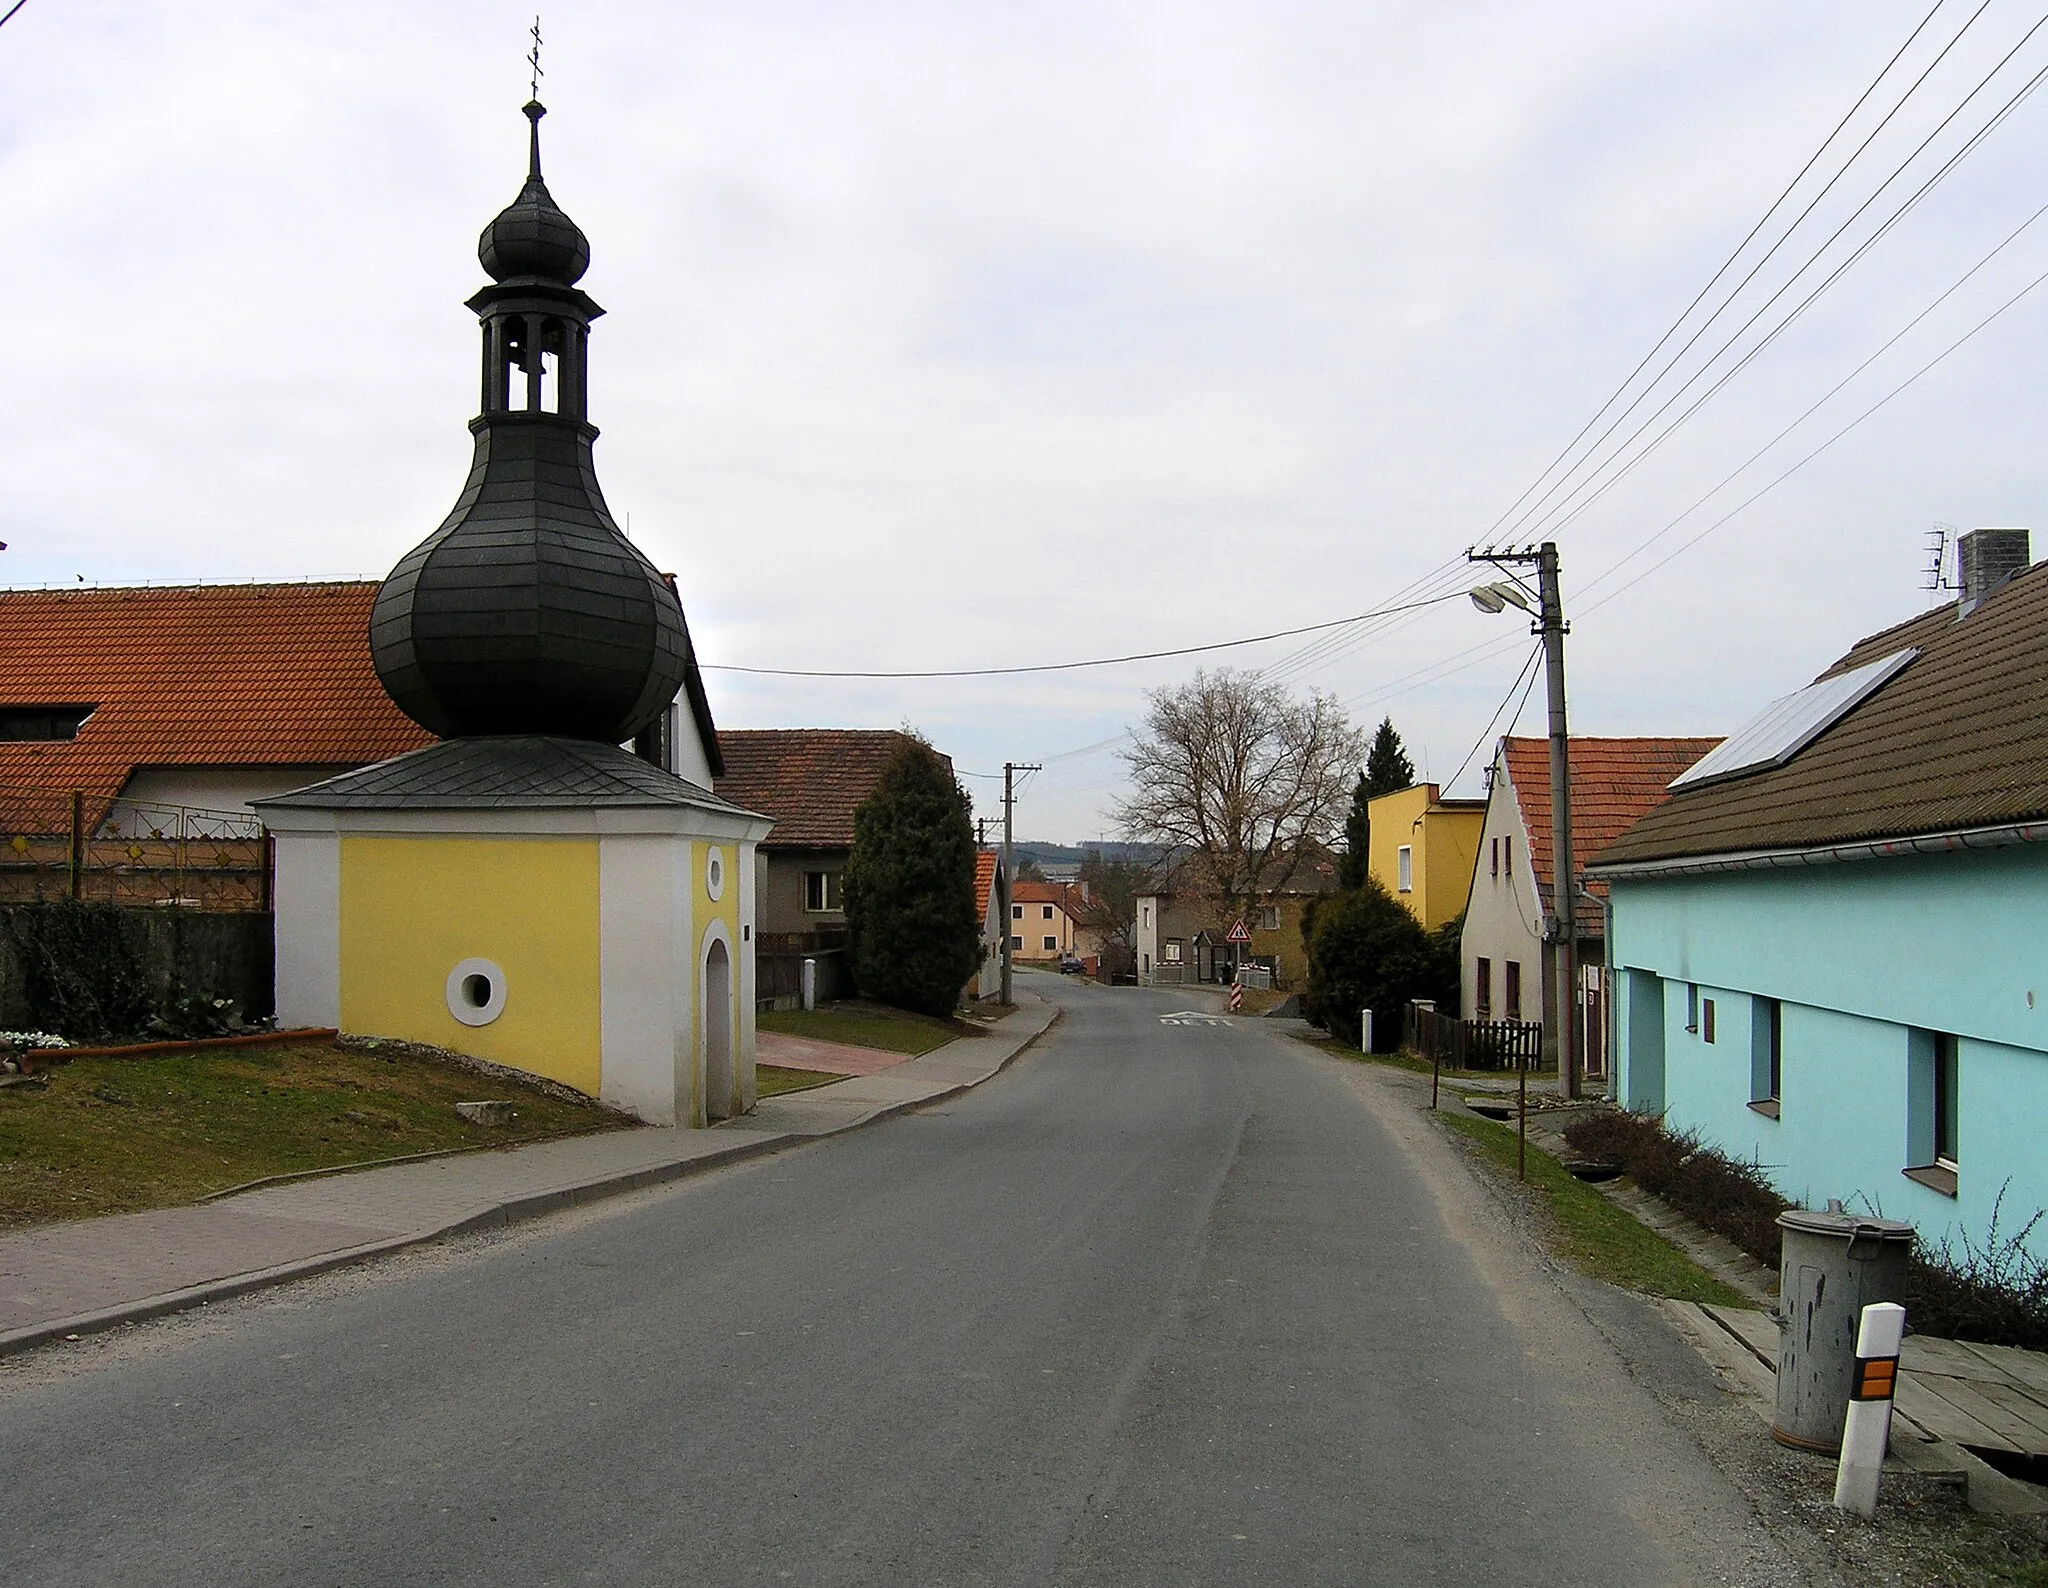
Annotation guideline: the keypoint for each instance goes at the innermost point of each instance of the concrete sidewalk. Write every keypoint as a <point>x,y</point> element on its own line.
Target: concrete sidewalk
<point>75,1278</point>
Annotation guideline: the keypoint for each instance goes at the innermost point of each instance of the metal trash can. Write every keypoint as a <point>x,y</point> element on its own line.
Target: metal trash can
<point>1833,1265</point>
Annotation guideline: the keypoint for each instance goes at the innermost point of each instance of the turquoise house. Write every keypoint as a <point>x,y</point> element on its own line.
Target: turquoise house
<point>1830,944</point>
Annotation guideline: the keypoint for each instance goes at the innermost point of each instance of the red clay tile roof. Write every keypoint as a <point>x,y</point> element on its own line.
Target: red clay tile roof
<point>1615,784</point>
<point>204,675</point>
<point>985,862</point>
<point>808,779</point>
<point>1045,893</point>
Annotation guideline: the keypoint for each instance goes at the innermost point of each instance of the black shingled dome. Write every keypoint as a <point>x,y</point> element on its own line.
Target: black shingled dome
<point>527,611</point>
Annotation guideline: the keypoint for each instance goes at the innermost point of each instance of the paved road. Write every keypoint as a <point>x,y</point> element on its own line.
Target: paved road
<point>1162,1305</point>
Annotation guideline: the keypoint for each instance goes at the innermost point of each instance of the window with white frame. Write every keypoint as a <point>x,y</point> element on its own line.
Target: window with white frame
<point>821,892</point>
<point>1170,951</point>
<point>1051,944</point>
<point>1016,912</point>
<point>1045,912</point>
<point>1404,868</point>
<point>1267,918</point>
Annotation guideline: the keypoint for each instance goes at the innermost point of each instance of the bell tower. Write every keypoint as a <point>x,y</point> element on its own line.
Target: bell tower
<point>528,611</point>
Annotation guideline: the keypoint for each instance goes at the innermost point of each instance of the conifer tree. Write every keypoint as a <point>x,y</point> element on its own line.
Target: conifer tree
<point>910,885</point>
<point>1388,770</point>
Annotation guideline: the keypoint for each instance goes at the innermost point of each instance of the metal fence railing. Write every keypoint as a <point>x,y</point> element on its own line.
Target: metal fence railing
<point>66,844</point>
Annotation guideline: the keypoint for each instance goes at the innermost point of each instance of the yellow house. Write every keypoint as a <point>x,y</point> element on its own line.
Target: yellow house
<point>1424,848</point>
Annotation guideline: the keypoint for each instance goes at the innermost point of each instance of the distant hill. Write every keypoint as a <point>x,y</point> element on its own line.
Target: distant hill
<point>1049,855</point>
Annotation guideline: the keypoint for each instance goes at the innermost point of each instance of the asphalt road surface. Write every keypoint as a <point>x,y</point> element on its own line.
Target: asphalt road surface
<point>1162,1304</point>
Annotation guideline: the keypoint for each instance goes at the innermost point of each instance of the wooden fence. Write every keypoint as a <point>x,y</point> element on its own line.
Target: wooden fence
<point>1472,1044</point>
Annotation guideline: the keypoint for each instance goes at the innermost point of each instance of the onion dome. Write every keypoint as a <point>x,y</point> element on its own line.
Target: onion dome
<point>528,611</point>
<point>532,236</point>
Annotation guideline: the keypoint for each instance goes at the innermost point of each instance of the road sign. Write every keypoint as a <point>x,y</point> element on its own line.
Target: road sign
<point>1237,933</point>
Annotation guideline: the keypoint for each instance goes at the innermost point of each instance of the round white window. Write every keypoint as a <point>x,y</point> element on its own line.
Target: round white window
<point>714,875</point>
<point>476,992</point>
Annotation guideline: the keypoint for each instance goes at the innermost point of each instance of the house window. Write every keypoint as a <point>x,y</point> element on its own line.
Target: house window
<point>1016,912</point>
<point>1171,952</point>
<point>1269,918</point>
<point>1016,942</point>
<point>1045,912</point>
<point>821,892</point>
<point>1511,989</point>
<point>1945,1099</point>
<point>1933,1104</point>
<point>1692,1008</point>
<point>1507,856</point>
<point>1145,914</point>
<point>1766,1054</point>
<point>1482,991</point>
<point>1051,944</point>
<point>1706,1020</point>
<point>1493,863</point>
<point>1404,867</point>
<point>42,722</point>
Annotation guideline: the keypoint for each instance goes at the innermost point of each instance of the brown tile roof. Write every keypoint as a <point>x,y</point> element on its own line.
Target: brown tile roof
<point>808,779</point>
<point>206,675</point>
<point>1059,893</point>
<point>985,863</point>
<point>1959,739</point>
<point>1615,784</point>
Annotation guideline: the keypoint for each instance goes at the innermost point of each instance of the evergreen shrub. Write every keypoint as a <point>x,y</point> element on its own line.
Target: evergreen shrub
<point>910,886</point>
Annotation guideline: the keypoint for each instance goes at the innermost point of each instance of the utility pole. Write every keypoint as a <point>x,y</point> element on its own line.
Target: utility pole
<point>1010,771</point>
<point>1561,918</point>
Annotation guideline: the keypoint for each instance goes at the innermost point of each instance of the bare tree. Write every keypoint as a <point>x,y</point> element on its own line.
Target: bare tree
<point>1240,775</point>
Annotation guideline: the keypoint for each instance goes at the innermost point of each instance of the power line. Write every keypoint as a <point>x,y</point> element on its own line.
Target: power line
<point>1728,263</point>
<point>1528,667</point>
<point>1566,512</point>
<point>1066,667</point>
<point>1817,451</point>
<point>1889,343</point>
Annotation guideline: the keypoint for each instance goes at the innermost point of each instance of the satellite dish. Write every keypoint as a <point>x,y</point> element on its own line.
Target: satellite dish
<point>1487,598</point>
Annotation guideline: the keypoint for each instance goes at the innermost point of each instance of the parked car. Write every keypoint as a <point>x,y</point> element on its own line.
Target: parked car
<point>1070,966</point>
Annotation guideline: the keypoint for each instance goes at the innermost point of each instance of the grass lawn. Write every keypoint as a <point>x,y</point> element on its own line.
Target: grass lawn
<point>1404,1060</point>
<point>1590,1232</point>
<point>119,1135</point>
<point>770,1079</point>
<point>860,1026</point>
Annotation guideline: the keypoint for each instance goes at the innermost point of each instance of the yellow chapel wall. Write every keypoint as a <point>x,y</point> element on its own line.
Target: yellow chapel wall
<point>726,909</point>
<point>412,908</point>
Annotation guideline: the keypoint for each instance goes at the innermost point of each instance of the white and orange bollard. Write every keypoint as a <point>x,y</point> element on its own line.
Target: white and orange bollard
<point>1867,1430</point>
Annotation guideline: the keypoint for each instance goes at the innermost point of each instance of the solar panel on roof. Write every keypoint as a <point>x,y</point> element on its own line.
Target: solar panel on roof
<point>1787,726</point>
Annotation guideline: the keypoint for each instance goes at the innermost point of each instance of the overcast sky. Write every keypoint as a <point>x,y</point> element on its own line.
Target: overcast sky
<point>950,336</point>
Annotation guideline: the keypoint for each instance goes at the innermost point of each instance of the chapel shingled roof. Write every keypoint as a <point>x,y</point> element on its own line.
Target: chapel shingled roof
<point>1958,739</point>
<point>808,779</point>
<point>1615,783</point>
<point>196,675</point>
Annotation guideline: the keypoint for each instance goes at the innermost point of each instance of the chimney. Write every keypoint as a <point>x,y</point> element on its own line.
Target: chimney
<point>1987,558</point>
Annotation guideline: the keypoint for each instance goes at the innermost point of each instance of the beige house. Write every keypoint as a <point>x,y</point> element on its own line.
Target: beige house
<point>1506,964</point>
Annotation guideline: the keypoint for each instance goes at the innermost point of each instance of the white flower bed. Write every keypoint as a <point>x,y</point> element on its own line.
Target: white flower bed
<point>20,1040</point>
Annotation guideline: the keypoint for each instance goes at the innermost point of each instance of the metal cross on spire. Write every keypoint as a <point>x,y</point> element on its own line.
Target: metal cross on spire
<point>533,60</point>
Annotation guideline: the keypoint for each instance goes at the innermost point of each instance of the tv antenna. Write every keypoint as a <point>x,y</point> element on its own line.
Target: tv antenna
<point>1934,577</point>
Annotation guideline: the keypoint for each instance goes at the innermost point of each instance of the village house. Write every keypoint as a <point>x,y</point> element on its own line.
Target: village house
<point>1827,940</point>
<point>1506,959</point>
<point>1044,921</point>
<point>1182,937</point>
<point>1422,850</point>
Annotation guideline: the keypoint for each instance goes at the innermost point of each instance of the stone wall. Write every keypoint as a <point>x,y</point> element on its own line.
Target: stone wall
<point>134,961</point>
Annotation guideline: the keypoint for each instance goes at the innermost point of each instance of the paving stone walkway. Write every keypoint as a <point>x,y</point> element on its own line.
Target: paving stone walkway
<point>91,1274</point>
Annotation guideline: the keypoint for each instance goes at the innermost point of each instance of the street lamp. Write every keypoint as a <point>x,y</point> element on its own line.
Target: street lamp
<point>1550,624</point>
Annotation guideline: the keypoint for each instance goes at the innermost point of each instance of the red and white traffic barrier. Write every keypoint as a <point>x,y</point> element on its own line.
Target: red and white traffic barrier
<point>1867,1430</point>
